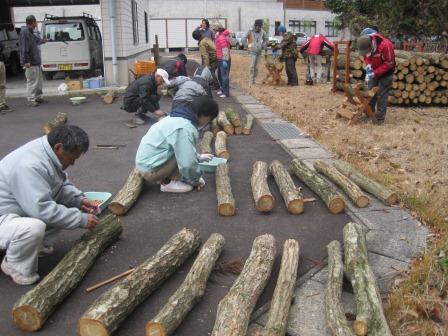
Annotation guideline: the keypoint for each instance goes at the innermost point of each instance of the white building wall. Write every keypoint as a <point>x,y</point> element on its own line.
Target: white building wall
<point>312,15</point>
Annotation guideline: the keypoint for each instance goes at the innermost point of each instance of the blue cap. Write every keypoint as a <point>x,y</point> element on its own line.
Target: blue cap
<point>281,29</point>
<point>368,31</point>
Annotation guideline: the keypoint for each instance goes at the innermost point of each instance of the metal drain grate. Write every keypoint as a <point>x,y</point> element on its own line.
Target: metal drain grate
<point>280,131</point>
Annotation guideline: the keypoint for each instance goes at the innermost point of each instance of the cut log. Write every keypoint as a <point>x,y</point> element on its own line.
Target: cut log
<point>225,123</point>
<point>284,290</point>
<point>369,310</point>
<point>109,310</point>
<point>349,187</point>
<point>226,202</point>
<point>247,128</point>
<point>356,62</point>
<point>59,120</point>
<point>32,310</point>
<point>291,195</point>
<point>235,308</point>
<point>221,145</point>
<point>109,97</point>
<point>263,198</point>
<point>205,145</point>
<point>128,195</point>
<point>382,193</point>
<point>190,291</point>
<point>238,130</point>
<point>233,117</point>
<point>334,310</point>
<point>326,192</point>
<point>214,126</point>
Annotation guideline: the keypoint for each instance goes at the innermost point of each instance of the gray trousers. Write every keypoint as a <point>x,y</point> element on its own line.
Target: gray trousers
<point>2,84</point>
<point>379,101</point>
<point>34,82</point>
<point>316,67</point>
<point>254,61</point>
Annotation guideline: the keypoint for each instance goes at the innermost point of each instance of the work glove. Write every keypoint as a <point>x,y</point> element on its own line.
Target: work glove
<point>205,157</point>
<point>225,64</point>
<point>201,183</point>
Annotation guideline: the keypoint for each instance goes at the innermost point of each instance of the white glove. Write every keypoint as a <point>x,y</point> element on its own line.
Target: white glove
<point>201,183</point>
<point>205,157</point>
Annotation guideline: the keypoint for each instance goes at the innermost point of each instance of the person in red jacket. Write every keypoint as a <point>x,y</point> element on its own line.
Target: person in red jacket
<point>314,48</point>
<point>379,56</point>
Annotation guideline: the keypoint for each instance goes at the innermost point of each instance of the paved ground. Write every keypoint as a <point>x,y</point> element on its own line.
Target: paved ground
<point>157,216</point>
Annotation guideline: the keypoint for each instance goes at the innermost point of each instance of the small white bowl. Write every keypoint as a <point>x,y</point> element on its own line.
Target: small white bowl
<point>78,100</point>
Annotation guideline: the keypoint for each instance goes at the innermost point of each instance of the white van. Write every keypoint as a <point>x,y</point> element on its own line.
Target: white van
<point>73,44</point>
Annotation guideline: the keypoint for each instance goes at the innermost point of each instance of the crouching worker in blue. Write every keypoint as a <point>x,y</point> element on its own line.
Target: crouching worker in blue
<point>167,153</point>
<point>37,200</point>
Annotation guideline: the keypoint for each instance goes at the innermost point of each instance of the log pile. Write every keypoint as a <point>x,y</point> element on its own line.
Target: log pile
<point>235,119</point>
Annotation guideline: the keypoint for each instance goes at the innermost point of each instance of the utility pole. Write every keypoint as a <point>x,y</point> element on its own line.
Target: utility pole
<point>284,13</point>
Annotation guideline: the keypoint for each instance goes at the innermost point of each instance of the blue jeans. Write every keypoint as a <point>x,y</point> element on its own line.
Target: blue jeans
<point>223,77</point>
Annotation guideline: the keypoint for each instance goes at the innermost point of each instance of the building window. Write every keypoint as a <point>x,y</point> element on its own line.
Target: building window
<point>146,28</point>
<point>134,22</point>
<point>331,29</point>
<point>308,27</point>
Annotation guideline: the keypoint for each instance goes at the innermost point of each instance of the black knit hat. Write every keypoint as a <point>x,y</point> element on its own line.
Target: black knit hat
<point>182,57</point>
<point>258,22</point>
<point>196,35</point>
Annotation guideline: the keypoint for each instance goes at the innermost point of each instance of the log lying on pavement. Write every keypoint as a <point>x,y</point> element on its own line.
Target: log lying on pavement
<point>128,195</point>
<point>381,192</point>
<point>205,145</point>
<point>214,126</point>
<point>109,97</point>
<point>248,123</point>
<point>369,310</point>
<point>349,187</point>
<point>226,202</point>
<point>233,117</point>
<point>190,291</point>
<point>32,310</point>
<point>59,120</point>
<point>238,130</point>
<point>263,198</point>
<point>284,290</point>
<point>334,310</point>
<point>291,195</point>
<point>235,308</point>
<point>326,192</point>
<point>225,123</point>
<point>107,312</point>
<point>221,145</point>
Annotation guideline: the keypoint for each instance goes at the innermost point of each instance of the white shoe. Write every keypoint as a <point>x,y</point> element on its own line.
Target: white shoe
<point>45,251</point>
<point>219,92</point>
<point>223,96</point>
<point>176,187</point>
<point>18,278</point>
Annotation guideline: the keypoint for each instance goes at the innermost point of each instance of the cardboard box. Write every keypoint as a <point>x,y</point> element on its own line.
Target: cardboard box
<point>74,84</point>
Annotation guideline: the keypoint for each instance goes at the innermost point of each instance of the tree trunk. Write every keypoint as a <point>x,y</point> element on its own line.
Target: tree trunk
<point>214,126</point>
<point>238,130</point>
<point>226,202</point>
<point>355,62</point>
<point>225,123</point>
<point>349,187</point>
<point>382,193</point>
<point>221,145</point>
<point>32,310</point>
<point>235,308</point>
<point>59,120</point>
<point>369,310</point>
<point>284,290</point>
<point>190,291</point>
<point>109,310</point>
<point>205,145</point>
<point>233,117</point>
<point>109,97</point>
<point>334,310</point>
<point>326,192</point>
<point>291,195</point>
<point>128,195</point>
<point>263,198</point>
<point>247,129</point>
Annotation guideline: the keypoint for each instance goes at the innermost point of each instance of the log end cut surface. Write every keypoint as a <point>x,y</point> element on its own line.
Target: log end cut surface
<point>336,205</point>
<point>226,209</point>
<point>360,328</point>
<point>392,199</point>
<point>362,202</point>
<point>89,327</point>
<point>224,154</point>
<point>26,318</point>
<point>117,209</point>
<point>265,203</point>
<point>154,329</point>
<point>295,207</point>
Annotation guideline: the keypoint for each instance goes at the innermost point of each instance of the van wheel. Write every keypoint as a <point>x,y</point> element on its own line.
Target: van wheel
<point>48,75</point>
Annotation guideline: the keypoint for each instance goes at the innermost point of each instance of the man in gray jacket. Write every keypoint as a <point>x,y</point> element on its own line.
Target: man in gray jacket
<point>37,200</point>
<point>256,41</point>
<point>189,89</point>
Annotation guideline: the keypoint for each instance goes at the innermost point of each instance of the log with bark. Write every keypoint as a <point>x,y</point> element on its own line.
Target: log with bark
<point>205,145</point>
<point>233,117</point>
<point>356,63</point>
<point>225,123</point>
<point>248,123</point>
<point>235,308</point>
<point>221,145</point>
<point>127,195</point>
<point>109,310</point>
<point>370,317</point>
<point>291,194</point>
<point>109,97</point>
<point>32,310</point>
<point>226,202</point>
<point>263,198</point>
<point>350,188</point>
<point>381,192</point>
<point>334,309</point>
<point>214,126</point>
<point>59,120</point>
<point>190,292</point>
<point>326,192</point>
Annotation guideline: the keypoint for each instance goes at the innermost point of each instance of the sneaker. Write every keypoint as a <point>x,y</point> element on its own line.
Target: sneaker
<point>45,251</point>
<point>33,104</point>
<point>5,109</point>
<point>18,278</point>
<point>176,187</point>
<point>139,119</point>
<point>222,96</point>
<point>219,92</point>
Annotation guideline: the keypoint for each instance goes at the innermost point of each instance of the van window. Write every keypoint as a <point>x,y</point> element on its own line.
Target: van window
<point>98,33</point>
<point>3,36</point>
<point>92,33</point>
<point>13,34</point>
<point>64,32</point>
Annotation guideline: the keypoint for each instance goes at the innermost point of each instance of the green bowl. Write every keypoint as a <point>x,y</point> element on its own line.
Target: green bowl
<point>104,197</point>
<point>210,166</point>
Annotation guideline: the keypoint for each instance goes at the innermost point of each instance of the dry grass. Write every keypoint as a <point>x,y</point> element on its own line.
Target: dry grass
<point>409,153</point>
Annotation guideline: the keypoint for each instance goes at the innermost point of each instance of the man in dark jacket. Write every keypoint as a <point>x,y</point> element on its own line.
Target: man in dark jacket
<point>3,107</point>
<point>141,96</point>
<point>175,66</point>
<point>289,54</point>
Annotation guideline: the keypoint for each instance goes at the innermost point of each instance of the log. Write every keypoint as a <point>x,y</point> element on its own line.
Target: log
<point>226,202</point>
<point>369,310</point>
<point>356,62</point>
<point>59,120</point>
<point>291,195</point>
<point>247,128</point>
<point>334,310</point>
<point>127,195</point>
<point>349,187</point>
<point>190,292</point>
<point>221,145</point>
<point>235,308</point>
<point>326,192</point>
<point>109,97</point>
<point>205,145</point>
<point>233,117</point>
<point>381,192</point>
<point>263,198</point>
<point>225,123</point>
<point>284,290</point>
<point>32,310</point>
<point>238,130</point>
<point>214,126</point>
<point>109,310</point>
